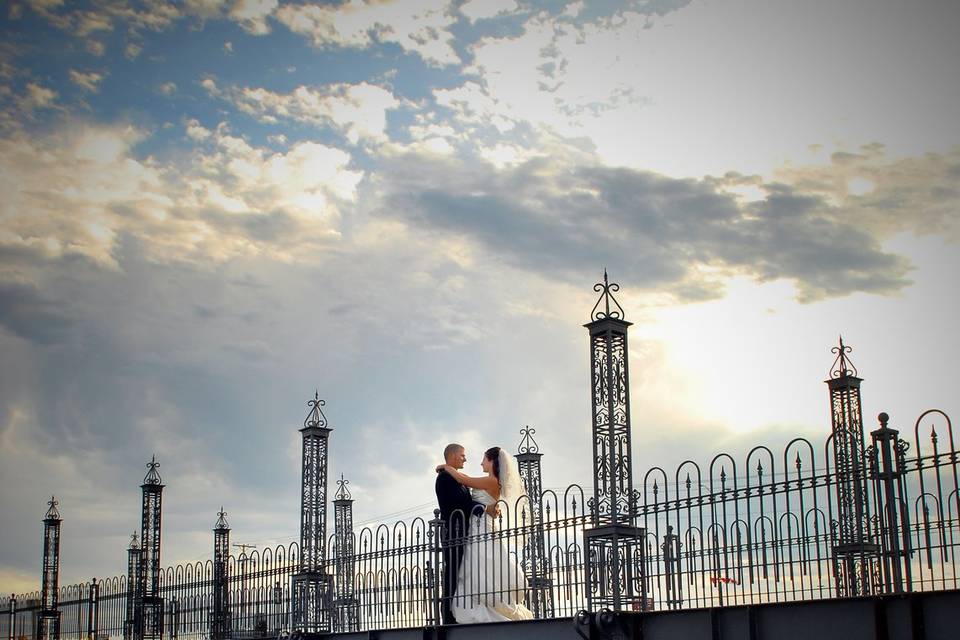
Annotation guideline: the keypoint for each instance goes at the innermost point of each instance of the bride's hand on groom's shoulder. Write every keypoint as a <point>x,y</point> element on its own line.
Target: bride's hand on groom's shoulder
<point>441,467</point>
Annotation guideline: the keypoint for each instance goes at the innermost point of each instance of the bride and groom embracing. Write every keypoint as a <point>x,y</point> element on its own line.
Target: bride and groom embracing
<point>482,581</point>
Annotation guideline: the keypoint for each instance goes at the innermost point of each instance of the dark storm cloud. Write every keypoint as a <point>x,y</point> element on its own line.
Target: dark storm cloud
<point>26,312</point>
<point>658,232</point>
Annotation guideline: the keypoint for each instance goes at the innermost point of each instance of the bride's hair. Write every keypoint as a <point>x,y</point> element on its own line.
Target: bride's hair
<point>493,455</point>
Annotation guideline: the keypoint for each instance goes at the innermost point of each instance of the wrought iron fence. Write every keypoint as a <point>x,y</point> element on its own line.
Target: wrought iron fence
<point>776,527</point>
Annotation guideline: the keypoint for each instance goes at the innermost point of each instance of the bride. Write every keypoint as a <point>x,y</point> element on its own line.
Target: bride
<point>491,584</point>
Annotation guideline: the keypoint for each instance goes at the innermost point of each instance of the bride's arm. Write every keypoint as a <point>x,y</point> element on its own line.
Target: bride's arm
<point>487,483</point>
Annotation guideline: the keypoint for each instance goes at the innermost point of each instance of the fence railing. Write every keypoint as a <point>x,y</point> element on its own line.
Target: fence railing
<point>770,529</point>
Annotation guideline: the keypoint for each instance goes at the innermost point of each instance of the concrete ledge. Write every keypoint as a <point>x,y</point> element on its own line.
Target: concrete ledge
<point>919,616</point>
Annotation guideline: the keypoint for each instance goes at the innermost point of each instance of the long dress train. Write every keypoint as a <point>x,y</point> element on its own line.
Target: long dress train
<point>491,584</point>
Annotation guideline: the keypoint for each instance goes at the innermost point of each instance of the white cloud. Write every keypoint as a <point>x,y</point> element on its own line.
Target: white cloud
<point>197,132</point>
<point>252,15</point>
<point>96,48</point>
<point>483,9</point>
<point>503,155</point>
<point>475,106</point>
<point>89,81</point>
<point>168,88</point>
<point>81,189</point>
<point>104,17</point>
<point>692,92</point>
<point>38,97</point>
<point>359,111</point>
<point>418,26</point>
<point>308,180</point>
<point>210,85</point>
<point>64,192</point>
<point>574,8</point>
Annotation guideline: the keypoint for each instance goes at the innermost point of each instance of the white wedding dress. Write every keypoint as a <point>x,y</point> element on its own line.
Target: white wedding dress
<point>490,585</point>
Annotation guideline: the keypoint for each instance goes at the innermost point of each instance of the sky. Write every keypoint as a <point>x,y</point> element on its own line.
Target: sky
<point>214,209</point>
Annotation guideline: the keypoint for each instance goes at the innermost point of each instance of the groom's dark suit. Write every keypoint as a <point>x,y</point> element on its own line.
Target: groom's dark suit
<point>456,506</point>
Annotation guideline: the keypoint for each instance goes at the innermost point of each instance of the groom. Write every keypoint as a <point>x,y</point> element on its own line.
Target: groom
<point>456,507</point>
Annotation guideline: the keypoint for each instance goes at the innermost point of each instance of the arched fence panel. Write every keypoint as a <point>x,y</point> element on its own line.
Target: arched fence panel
<point>764,527</point>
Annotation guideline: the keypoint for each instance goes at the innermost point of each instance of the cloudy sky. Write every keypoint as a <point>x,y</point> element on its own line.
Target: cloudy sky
<point>212,209</point>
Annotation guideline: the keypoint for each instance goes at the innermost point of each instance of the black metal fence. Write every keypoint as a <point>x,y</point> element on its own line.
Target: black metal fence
<point>765,530</point>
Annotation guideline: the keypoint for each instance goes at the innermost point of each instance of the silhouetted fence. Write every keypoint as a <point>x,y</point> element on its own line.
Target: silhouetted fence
<point>776,527</point>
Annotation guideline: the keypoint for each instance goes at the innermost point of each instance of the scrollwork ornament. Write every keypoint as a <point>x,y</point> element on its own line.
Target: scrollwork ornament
<point>343,493</point>
<point>316,418</point>
<point>606,289</point>
<point>842,366</point>
<point>528,444</point>
<point>902,447</point>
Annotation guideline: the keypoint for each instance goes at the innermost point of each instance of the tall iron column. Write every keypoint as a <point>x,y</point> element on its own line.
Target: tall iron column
<point>150,620</point>
<point>131,622</point>
<point>48,619</point>
<point>220,625</point>
<point>312,584</point>
<point>346,607</point>
<point>855,554</point>
<point>614,549</point>
<point>536,563</point>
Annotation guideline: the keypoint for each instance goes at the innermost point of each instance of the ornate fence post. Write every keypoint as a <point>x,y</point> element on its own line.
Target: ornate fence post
<point>48,620</point>
<point>12,629</point>
<point>220,624</point>
<point>535,560</point>
<point>173,609</point>
<point>312,583</point>
<point>887,462</point>
<point>614,546</point>
<point>131,623</point>
<point>150,619</point>
<point>93,610</point>
<point>277,608</point>
<point>434,569</point>
<point>855,555</point>
<point>671,566</point>
<point>345,605</point>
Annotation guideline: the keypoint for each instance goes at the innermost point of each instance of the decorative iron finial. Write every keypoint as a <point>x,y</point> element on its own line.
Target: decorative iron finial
<point>52,512</point>
<point>316,418</point>
<point>842,366</point>
<point>133,541</point>
<point>528,444</point>
<point>342,492</point>
<point>606,290</point>
<point>221,520</point>
<point>153,476</point>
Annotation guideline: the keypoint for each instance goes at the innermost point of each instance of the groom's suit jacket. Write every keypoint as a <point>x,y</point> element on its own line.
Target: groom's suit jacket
<point>456,505</point>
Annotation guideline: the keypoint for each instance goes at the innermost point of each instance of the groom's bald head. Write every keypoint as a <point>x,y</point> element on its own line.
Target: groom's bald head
<point>455,455</point>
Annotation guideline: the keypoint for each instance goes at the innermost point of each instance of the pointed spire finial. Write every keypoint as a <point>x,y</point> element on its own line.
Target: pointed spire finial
<point>153,476</point>
<point>221,520</point>
<point>133,541</point>
<point>316,418</point>
<point>342,492</point>
<point>52,513</point>
<point>842,366</point>
<point>528,444</point>
<point>606,289</point>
